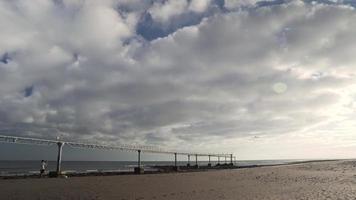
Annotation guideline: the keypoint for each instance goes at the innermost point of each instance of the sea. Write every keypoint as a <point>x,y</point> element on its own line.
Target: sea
<point>31,167</point>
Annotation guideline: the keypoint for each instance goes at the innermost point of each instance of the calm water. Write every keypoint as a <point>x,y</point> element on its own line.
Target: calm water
<point>32,167</point>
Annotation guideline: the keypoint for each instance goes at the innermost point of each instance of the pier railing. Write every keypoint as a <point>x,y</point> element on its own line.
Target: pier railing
<point>129,148</point>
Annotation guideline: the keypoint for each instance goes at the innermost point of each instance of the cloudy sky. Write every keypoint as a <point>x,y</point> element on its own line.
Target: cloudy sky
<point>261,79</point>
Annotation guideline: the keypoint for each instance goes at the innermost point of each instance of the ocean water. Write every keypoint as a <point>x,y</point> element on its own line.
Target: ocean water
<point>33,166</point>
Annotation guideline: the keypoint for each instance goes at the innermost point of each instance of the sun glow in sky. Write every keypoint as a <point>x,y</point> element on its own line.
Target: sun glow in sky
<point>261,79</point>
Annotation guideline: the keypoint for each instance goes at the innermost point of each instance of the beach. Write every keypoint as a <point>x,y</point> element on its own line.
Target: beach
<point>311,180</point>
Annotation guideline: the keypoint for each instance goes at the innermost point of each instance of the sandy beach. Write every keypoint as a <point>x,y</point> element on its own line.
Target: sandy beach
<point>316,180</point>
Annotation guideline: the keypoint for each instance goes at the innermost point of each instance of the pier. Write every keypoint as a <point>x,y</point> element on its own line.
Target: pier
<point>130,148</point>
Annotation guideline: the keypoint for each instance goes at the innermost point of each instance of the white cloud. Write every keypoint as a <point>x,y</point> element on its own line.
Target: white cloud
<point>199,5</point>
<point>169,11</point>
<point>164,11</point>
<point>278,71</point>
<point>232,4</point>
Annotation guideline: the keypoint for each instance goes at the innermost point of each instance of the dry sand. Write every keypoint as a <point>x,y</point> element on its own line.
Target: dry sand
<point>317,180</point>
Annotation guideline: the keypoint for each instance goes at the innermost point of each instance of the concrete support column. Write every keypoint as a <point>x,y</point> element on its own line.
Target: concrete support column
<point>231,162</point>
<point>225,160</point>
<point>209,164</point>
<point>218,160</point>
<point>138,169</point>
<point>59,157</point>
<point>188,165</point>
<point>176,168</point>
<point>175,159</point>
<point>196,160</point>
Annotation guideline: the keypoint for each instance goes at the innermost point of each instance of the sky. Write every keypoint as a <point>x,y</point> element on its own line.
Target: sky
<point>260,79</point>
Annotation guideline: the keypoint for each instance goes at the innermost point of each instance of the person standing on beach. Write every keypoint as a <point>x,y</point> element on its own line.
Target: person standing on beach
<point>43,167</point>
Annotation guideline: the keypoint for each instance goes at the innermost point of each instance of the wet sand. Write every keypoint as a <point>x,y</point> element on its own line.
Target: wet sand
<point>315,180</point>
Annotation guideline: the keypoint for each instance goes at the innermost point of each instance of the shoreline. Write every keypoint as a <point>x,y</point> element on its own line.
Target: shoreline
<point>161,169</point>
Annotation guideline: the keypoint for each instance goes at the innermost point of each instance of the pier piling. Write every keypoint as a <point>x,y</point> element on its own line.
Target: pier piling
<point>175,162</point>
<point>188,165</point>
<point>59,157</point>
<point>209,164</point>
<point>139,169</point>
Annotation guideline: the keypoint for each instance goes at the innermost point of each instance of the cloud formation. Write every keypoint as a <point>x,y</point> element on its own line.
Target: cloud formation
<point>85,70</point>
